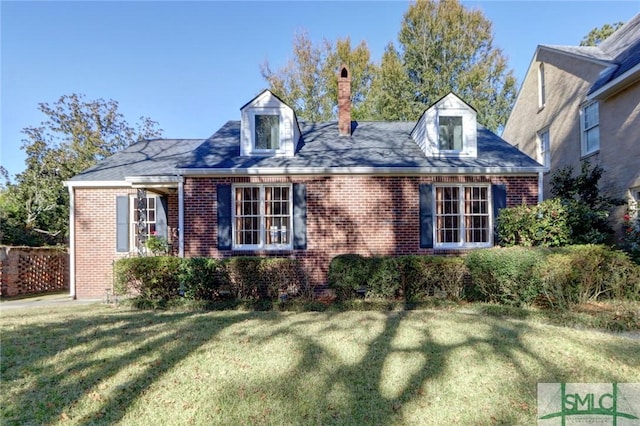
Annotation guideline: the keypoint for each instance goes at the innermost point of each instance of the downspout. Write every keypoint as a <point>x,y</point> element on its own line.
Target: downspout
<point>180,216</point>
<point>72,244</point>
<point>540,187</point>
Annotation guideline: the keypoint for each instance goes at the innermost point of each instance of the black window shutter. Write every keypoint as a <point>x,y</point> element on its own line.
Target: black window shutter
<point>299,216</point>
<point>426,215</point>
<point>122,223</point>
<point>499,196</point>
<point>162,229</point>
<point>224,216</point>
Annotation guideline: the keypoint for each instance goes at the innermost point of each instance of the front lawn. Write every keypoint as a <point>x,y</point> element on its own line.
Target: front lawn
<point>96,364</point>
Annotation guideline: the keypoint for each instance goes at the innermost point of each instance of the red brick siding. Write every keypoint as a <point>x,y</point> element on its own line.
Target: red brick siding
<point>369,215</point>
<point>95,238</point>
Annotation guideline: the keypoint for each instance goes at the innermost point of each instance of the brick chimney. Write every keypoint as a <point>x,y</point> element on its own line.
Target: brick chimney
<point>344,102</point>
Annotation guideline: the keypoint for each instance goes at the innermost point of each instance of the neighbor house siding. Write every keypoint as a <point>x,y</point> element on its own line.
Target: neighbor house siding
<point>620,145</point>
<point>567,81</point>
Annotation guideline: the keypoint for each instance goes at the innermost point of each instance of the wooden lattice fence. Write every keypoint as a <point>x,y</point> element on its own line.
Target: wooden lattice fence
<point>33,270</point>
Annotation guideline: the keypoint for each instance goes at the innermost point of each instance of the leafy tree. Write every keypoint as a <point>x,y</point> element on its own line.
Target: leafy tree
<point>309,82</point>
<point>448,48</point>
<point>76,135</point>
<point>443,48</point>
<point>587,209</point>
<point>391,97</point>
<point>598,35</point>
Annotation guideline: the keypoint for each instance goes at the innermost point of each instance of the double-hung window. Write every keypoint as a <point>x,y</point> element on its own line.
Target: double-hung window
<point>267,132</point>
<point>544,155</point>
<point>462,216</point>
<point>542,98</point>
<point>590,126</point>
<point>262,216</point>
<point>143,218</point>
<point>450,133</point>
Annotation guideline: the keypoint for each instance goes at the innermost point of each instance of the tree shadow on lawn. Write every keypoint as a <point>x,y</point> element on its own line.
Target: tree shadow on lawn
<point>354,393</point>
<point>31,357</point>
<point>342,392</point>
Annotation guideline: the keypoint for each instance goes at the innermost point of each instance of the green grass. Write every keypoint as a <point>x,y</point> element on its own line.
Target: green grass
<point>96,364</point>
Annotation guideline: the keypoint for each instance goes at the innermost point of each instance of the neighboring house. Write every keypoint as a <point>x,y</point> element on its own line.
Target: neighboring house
<point>583,103</point>
<point>270,185</point>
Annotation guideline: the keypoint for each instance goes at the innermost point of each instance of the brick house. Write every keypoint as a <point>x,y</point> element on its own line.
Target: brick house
<point>581,103</point>
<point>270,185</point>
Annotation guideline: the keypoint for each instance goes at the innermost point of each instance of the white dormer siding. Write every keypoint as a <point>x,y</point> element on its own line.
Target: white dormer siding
<point>448,113</point>
<point>283,135</point>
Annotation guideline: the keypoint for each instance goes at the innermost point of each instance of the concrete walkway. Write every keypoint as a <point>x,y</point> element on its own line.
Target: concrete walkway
<point>58,299</point>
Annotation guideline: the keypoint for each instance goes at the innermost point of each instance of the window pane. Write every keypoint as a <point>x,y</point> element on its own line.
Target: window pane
<point>247,221</point>
<point>591,116</point>
<point>267,131</point>
<point>476,220</point>
<point>450,133</point>
<point>277,215</point>
<point>593,139</point>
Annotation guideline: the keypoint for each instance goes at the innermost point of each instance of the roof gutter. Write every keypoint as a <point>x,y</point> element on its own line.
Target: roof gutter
<point>616,85</point>
<point>272,171</point>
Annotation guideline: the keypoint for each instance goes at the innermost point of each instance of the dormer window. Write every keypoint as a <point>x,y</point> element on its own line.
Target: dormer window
<point>448,128</point>
<point>268,127</point>
<point>450,133</point>
<point>267,132</point>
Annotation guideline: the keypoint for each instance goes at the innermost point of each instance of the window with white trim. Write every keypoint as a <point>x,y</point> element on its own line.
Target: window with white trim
<point>542,100</point>
<point>544,155</point>
<point>267,132</point>
<point>590,128</point>
<point>262,216</point>
<point>450,133</point>
<point>148,223</point>
<point>634,202</point>
<point>462,216</point>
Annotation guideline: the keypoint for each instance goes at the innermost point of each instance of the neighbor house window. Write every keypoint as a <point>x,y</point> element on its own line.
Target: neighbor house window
<point>634,202</point>
<point>590,122</point>
<point>262,216</point>
<point>267,131</point>
<point>544,155</point>
<point>462,216</point>
<point>143,217</point>
<point>450,133</point>
<point>541,89</point>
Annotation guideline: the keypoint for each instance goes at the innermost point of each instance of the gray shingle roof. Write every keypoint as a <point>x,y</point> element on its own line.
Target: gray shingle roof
<point>590,52</point>
<point>621,50</point>
<point>385,146</point>
<point>146,158</point>
<point>624,47</point>
<point>382,145</point>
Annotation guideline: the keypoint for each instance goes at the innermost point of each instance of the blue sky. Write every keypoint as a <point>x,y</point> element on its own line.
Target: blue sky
<point>192,65</point>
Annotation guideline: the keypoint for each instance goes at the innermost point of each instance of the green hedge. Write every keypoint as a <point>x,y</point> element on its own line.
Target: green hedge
<point>514,276</point>
<point>508,275</point>
<point>577,274</point>
<point>156,280</point>
<point>406,277</point>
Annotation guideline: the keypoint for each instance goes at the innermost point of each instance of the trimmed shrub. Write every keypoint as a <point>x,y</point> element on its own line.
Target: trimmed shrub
<point>507,275</point>
<point>153,279</point>
<point>424,276</point>
<point>263,278</point>
<point>541,225</point>
<point>384,278</point>
<point>347,274</point>
<point>582,273</point>
<point>409,277</point>
<point>203,278</point>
